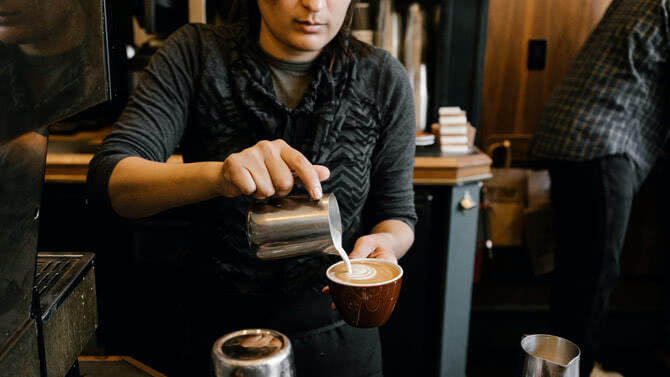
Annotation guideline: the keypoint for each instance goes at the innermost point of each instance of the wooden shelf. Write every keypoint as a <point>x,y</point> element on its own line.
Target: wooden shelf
<point>433,168</point>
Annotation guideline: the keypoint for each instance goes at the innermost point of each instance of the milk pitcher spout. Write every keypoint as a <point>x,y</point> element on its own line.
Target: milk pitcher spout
<point>549,356</point>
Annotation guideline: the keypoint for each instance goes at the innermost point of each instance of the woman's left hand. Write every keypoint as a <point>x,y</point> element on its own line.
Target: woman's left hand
<point>376,245</point>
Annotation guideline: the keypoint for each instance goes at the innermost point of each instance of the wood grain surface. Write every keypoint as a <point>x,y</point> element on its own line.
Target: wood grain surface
<point>513,97</point>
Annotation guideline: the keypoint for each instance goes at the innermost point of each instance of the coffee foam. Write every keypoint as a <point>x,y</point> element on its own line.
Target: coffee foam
<point>363,271</point>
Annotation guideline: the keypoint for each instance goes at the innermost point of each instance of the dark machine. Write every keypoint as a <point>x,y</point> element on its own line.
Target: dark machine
<point>48,309</point>
<point>48,300</point>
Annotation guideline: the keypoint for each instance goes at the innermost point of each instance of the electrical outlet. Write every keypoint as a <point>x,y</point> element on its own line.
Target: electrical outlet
<point>537,54</point>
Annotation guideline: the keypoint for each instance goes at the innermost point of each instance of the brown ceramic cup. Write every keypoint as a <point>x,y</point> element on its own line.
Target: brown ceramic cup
<point>366,303</point>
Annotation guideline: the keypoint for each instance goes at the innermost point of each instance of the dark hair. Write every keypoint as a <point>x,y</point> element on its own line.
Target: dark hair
<point>341,45</point>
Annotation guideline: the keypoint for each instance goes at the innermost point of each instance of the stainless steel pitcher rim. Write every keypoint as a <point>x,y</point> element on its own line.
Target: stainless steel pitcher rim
<point>575,358</point>
<point>550,356</point>
<point>277,357</point>
<point>334,219</point>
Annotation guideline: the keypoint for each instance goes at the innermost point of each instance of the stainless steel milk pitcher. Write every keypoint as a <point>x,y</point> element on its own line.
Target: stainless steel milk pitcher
<point>293,226</point>
<point>549,356</point>
<point>253,353</point>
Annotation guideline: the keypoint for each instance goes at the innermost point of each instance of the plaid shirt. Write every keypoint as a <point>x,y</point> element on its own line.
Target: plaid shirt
<point>615,96</point>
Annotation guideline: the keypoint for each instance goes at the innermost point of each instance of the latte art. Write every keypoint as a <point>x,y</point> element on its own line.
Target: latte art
<point>361,272</point>
<point>364,272</point>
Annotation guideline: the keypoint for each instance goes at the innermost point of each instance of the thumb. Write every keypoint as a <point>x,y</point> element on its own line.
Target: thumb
<point>362,248</point>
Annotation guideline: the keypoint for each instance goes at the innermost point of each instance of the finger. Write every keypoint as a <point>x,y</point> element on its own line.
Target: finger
<point>240,181</point>
<point>297,162</point>
<point>280,174</point>
<point>255,164</point>
<point>326,291</point>
<point>322,171</point>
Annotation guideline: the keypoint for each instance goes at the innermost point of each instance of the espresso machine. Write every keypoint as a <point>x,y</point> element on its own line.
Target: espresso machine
<point>48,308</point>
<point>48,303</point>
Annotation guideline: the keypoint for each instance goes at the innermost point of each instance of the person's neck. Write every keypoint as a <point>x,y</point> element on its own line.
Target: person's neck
<point>67,39</point>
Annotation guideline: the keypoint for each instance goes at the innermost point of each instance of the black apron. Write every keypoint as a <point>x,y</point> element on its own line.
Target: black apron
<point>323,344</point>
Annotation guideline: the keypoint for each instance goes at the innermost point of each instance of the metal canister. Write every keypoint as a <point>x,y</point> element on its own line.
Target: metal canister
<point>549,356</point>
<point>293,226</point>
<point>253,353</point>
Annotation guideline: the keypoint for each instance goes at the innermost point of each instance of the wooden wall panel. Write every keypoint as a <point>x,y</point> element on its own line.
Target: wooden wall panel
<point>513,97</point>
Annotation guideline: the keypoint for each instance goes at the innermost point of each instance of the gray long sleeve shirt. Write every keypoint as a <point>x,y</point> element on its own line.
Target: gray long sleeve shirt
<point>210,91</point>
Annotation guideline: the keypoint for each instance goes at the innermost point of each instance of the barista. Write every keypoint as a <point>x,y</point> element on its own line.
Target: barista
<point>286,90</point>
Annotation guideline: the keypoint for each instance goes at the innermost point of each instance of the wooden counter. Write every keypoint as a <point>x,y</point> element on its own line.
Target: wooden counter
<point>72,167</point>
<point>68,158</point>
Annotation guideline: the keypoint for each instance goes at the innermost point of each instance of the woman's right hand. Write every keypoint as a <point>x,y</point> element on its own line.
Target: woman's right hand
<point>270,168</point>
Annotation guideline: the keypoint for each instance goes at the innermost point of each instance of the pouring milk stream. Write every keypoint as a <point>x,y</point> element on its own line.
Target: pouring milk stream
<point>356,271</point>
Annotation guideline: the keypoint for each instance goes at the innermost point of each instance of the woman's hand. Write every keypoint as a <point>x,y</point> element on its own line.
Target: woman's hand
<point>376,245</point>
<point>390,240</point>
<point>267,169</point>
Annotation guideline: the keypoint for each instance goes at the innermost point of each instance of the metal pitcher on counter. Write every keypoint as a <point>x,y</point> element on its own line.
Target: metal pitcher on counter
<point>549,356</point>
<point>253,353</point>
<point>293,226</point>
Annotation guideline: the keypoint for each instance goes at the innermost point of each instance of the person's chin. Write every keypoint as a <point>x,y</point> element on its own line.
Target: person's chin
<point>8,37</point>
<point>13,35</point>
<point>311,43</point>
